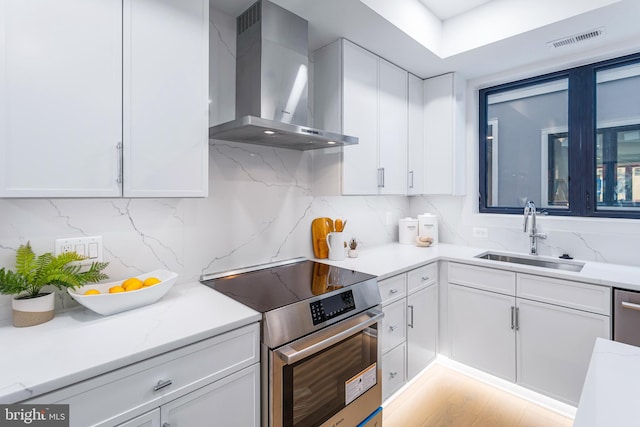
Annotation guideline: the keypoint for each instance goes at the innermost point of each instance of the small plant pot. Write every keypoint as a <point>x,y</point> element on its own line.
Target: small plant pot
<point>353,253</point>
<point>33,311</point>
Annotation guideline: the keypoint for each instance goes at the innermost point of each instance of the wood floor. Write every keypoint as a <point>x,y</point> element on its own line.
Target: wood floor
<point>444,397</point>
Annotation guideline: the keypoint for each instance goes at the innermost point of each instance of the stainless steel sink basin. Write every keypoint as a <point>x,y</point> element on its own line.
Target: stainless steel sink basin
<point>533,261</point>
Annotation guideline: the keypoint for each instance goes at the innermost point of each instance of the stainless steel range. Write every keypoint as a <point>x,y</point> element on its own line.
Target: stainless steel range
<point>320,357</point>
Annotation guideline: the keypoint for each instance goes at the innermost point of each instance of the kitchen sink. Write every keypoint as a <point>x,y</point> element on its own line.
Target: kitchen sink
<point>532,261</point>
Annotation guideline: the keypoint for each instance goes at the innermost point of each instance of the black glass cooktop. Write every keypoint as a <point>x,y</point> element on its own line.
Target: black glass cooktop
<point>270,288</point>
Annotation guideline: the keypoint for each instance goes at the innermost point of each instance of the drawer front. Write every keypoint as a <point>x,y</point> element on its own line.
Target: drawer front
<point>119,395</point>
<point>393,370</point>
<point>422,277</point>
<point>394,325</point>
<point>393,288</point>
<point>566,293</point>
<point>487,279</point>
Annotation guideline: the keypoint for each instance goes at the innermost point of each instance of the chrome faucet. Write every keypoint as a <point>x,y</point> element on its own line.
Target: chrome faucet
<point>530,211</point>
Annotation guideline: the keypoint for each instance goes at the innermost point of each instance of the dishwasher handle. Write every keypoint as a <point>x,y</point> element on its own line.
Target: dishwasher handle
<point>630,305</point>
<point>291,355</point>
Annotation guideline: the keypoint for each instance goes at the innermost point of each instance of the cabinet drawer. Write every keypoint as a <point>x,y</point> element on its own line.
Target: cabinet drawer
<point>488,279</point>
<point>581,296</point>
<point>393,288</point>
<point>422,277</point>
<point>394,325</point>
<point>393,370</point>
<point>119,395</point>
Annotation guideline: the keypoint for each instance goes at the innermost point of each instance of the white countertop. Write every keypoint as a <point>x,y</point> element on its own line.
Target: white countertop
<point>79,344</point>
<point>611,389</point>
<point>387,260</point>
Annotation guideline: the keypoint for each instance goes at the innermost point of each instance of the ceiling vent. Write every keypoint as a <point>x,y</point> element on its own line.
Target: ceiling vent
<point>577,38</point>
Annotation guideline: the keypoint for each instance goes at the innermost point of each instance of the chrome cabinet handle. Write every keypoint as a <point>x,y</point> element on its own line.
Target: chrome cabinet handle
<point>630,305</point>
<point>393,374</point>
<point>166,425</point>
<point>393,291</point>
<point>392,328</point>
<point>411,322</point>
<point>517,318</point>
<point>381,177</point>
<point>425,278</point>
<point>513,316</point>
<point>119,153</point>
<point>410,179</point>
<point>161,384</point>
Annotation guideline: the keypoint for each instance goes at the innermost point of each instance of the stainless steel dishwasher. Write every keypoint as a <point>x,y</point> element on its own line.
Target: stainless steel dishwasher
<point>626,316</point>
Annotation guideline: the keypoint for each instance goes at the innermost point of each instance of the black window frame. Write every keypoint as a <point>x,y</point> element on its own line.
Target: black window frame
<point>582,134</point>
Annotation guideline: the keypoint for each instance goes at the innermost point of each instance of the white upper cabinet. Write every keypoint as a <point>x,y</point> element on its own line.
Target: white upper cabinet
<point>392,134</point>
<point>360,118</point>
<point>415,156</point>
<point>101,98</point>
<point>362,95</point>
<point>166,86</point>
<point>444,135</point>
<point>60,98</point>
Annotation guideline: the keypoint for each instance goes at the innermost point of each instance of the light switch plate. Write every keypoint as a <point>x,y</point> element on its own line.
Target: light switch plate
<point>90,246</point>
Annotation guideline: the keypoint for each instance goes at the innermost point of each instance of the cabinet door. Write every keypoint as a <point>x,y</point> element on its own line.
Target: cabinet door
<point>422,327</point>
<point>392,139</point>
<point>554,348</point>
<point>165,115</point>
<point>149,419</point>
<point>393,370</point>
<point>231,401</point>
<point>415,137</point>
<point>360,118</point>
<point>444,135</point>
<point>481,331</point>
<point>60,98</point>
<point>394,331</point>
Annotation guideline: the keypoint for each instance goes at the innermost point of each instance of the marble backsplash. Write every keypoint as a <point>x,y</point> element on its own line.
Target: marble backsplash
<point>260,208</point>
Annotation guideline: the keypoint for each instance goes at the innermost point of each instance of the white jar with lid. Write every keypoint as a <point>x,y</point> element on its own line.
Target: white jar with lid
<point>407,231</point>
<point>428,226</point>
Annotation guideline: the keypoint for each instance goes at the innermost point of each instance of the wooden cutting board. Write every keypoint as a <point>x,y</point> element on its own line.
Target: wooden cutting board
<point>320,227</point>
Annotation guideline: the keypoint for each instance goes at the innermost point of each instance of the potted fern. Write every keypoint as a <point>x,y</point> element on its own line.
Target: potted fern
<point>32,306</point>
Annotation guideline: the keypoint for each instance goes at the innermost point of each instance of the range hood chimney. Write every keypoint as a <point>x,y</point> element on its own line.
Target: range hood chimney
<point>272,83</point>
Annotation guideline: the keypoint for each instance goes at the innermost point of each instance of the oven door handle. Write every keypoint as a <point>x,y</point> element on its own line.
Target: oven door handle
<point>291,355</point>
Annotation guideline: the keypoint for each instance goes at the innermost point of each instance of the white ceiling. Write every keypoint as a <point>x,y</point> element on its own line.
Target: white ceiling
<point>445,9</point>
<point>479,37</point>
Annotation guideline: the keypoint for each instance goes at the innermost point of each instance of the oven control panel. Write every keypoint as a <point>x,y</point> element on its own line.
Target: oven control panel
<point>335,305</point>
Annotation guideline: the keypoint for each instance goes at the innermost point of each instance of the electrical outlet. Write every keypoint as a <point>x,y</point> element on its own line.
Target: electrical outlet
<point>91,247</point>
<point>481,232</point>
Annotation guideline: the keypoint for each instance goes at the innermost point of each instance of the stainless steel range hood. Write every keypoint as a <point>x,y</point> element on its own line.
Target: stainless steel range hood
<point>272,83</point>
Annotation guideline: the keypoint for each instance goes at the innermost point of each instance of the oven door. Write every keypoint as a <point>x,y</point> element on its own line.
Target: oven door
<point>331,377</point>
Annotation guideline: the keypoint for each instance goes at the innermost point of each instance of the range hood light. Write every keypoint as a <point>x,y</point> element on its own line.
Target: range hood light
<point>269,132</point>
<point>331,142</point>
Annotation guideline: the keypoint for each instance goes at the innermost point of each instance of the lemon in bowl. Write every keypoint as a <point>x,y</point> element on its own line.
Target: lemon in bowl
<point>133,292</point>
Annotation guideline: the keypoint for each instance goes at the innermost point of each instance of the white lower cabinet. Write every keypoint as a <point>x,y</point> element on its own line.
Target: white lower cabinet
<point>524,338</point>
<point>393,370</point>
<point>480,333</point>
<point>409,328</point>
<point>422,329</point>
<point>216,380</point>
<point>554,348</point>
<point>150,419</point>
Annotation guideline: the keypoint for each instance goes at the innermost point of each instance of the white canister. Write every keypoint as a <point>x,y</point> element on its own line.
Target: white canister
<point>407,230</point>
<point>428,226</point>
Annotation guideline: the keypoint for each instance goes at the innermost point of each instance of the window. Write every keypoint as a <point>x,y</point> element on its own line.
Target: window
<point>569,141</point>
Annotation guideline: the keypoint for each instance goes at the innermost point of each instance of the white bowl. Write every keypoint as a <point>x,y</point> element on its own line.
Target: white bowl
<point>106,303</point>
